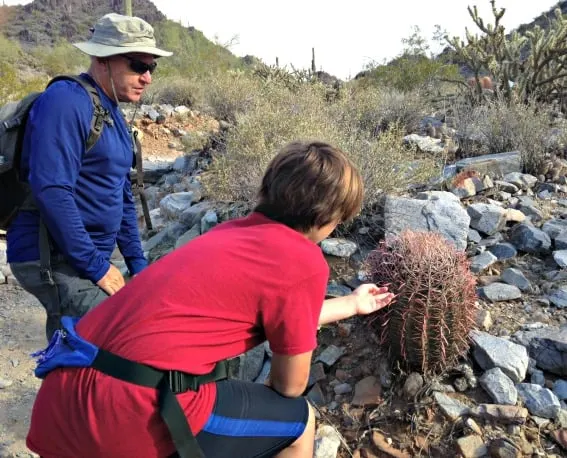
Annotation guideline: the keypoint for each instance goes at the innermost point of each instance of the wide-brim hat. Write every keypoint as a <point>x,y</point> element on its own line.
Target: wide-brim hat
<point>115,34</point>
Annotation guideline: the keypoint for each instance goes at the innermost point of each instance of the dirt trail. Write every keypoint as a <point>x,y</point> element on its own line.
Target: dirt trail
<point>22,331</point>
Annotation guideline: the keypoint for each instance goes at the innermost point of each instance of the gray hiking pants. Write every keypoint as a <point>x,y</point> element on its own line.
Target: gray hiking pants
<point>76,295</point>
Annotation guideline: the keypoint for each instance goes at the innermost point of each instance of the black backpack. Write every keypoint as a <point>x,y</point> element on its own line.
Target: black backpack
<point>15,194</point>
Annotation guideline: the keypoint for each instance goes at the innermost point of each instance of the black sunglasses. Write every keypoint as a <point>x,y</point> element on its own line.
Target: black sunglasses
<point>140,67</point>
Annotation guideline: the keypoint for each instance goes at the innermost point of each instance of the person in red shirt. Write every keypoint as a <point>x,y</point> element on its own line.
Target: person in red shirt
<point>256,278</point>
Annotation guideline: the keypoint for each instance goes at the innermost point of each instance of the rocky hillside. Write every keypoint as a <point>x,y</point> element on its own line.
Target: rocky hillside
<point>543,19</point>
<point>44,22</point>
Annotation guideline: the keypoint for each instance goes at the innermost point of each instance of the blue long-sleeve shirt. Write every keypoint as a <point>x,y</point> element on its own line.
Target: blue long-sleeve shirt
<point>85,198</point>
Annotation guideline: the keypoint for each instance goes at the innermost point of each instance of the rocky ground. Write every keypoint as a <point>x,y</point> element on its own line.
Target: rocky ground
<point>22,331</point>
<point>505,398</point>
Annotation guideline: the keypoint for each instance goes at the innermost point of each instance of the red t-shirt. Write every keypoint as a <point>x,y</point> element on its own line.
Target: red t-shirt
<point>216,297</point>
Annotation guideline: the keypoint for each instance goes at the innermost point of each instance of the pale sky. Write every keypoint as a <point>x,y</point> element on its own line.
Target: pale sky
<point>345,36</point>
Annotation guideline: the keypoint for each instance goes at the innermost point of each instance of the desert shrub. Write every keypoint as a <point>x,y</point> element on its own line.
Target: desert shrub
<point>193,53</point>
<point>10,51</point>
<point>175,91</point>
<point>62,58</point>
<point>228,95</point>
<point>374,110</point>
<point>498,126</point>
<point>13,86</point>
<point>410,72</point>
<point>427,326</point>
<point>275,115</point>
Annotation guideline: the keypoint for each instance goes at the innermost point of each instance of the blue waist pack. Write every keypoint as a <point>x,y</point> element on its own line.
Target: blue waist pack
<point>65,349</point>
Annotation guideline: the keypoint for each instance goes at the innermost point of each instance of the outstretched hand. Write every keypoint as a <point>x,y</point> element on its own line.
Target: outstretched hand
<point>371,298</point>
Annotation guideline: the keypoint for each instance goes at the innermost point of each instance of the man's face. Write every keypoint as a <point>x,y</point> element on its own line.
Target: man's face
<point>131,75</point>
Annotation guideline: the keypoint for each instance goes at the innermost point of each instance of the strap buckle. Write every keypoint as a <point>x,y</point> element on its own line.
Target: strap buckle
<point>46,275</point>
<point>180,382</point>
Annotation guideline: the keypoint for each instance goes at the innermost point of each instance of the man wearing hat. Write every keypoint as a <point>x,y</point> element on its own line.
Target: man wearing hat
<point>83,192</point>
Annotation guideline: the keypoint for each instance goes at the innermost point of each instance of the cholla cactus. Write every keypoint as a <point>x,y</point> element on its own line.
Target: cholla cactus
<point>427,327</point>
<point>523,66</point>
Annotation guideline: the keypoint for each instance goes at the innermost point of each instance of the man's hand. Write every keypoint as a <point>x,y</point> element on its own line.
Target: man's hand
<point>369,298</point>
<point>112,281</point>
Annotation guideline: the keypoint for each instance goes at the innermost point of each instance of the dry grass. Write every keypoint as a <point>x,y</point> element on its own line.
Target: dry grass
<point>499,126</point>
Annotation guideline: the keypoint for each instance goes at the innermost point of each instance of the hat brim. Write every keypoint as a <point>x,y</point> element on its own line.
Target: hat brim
<point>99,50</point>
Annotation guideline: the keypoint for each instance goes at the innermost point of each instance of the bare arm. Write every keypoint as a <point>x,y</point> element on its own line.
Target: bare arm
<point>338,308</point>
<point>365,299</point>
<point>289,374</point>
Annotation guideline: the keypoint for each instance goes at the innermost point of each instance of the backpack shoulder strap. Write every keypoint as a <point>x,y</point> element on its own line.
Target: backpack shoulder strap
<point>100,114</point>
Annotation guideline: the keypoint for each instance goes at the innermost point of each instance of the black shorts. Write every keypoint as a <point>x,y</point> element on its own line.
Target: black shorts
<point>251,420</point>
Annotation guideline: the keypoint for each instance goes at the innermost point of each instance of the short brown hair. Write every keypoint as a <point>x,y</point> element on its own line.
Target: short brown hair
<point>310,184</point>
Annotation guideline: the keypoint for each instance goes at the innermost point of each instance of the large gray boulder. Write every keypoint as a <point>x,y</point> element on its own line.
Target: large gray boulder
<point>435,211</point>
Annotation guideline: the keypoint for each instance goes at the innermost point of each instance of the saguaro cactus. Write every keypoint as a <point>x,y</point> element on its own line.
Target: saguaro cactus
<point>427,327</point>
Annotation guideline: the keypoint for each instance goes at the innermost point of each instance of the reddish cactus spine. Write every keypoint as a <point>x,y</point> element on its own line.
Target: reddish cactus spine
<point>427,327</point>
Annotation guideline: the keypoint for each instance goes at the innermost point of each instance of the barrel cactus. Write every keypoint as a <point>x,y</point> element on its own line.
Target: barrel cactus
<point>427,326</point>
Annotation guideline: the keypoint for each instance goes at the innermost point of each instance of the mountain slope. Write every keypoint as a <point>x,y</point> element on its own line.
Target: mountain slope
<point>45,22</point>
<point>48,26</point>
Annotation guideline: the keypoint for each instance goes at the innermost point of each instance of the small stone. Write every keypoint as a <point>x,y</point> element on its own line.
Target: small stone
<point>503,251</point>
<point>484,320</point>
<point>513,276</point>
<point>539,401</point>
<point>336,290</point>
<point>560,257</point>
<point>561,241</point>
<point>327,442</point>
<point>501,413</point>
<point>367,391</point>
<point>558,297</point>
<point>316,395</point>
<point>472,446</point>
<point>506,187</point>
<point>474,236</point>
<point>473,425</point>
<point>343,388</point>
<point>330,355</point>
<point>497,292</point>
<point>560,389</point>
<point>452,408</point>
<point>537,377</point>
<point>529,239</point>
<point>461,384</point>
<point>516,216</point>
<point>482,261</point>
<point>412,385</point>
<point>339,247</point>
<point>504,448</point>
<point>316,374</point>
<point>5,383</point>
<point>499,386</point>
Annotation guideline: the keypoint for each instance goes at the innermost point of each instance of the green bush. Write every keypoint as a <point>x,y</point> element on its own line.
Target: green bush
<point>10,51</point>
<point>269,115</point>
<point>410,72</point>
<point>13,86</point>
<point>377,109</point>
<point>62,58</point>
<point>193,53</point>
